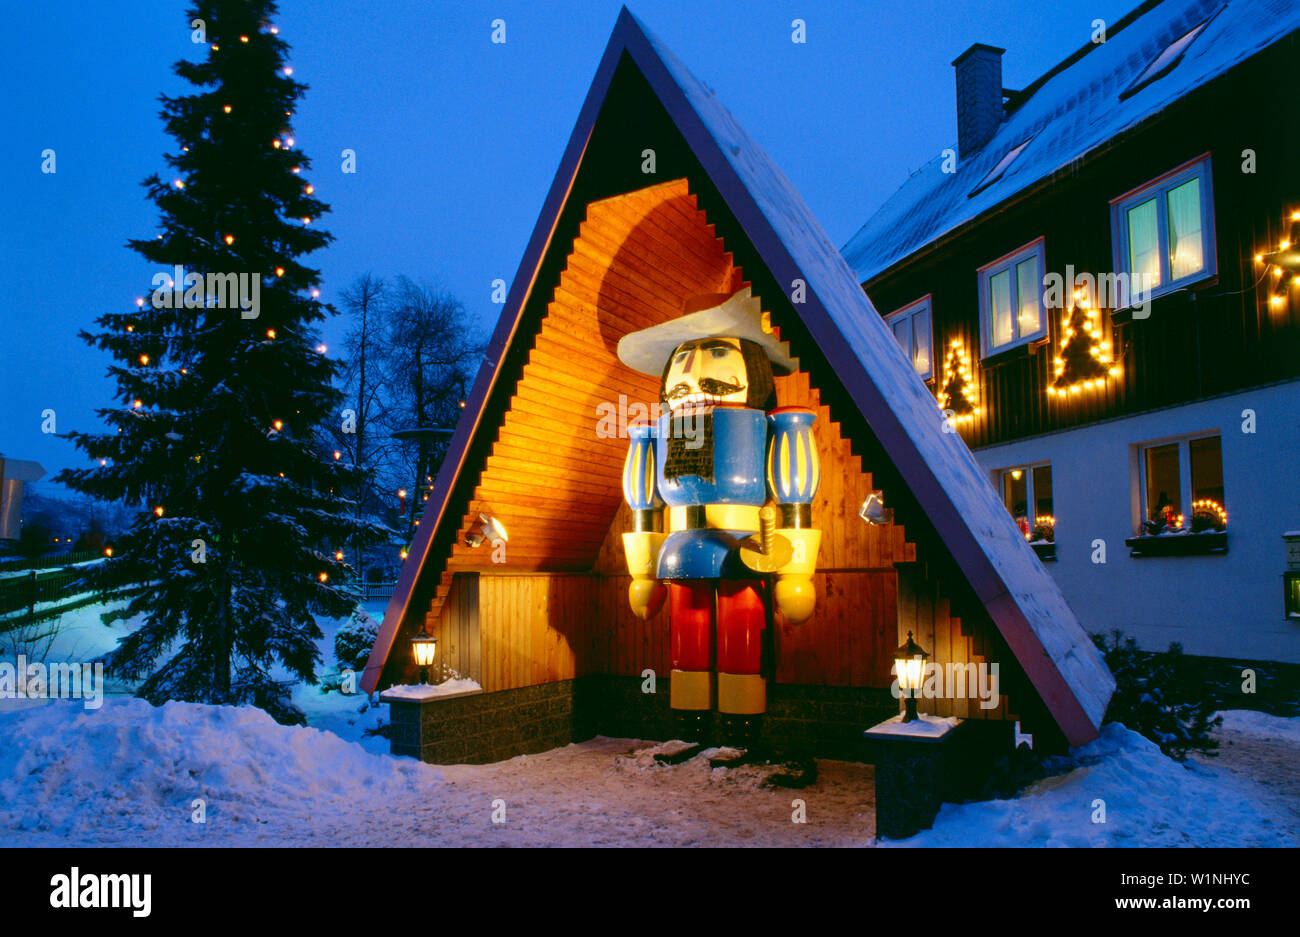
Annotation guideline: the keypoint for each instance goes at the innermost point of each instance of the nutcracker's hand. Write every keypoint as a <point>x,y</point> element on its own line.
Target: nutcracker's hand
<point>645,593</point>
<point>794,592</point>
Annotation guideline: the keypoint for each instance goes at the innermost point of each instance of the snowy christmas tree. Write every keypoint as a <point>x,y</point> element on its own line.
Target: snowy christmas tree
<point>223,385</point>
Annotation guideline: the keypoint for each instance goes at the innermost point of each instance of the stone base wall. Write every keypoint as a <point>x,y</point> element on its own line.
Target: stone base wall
<point>801,720</point>
<point>485,727</point>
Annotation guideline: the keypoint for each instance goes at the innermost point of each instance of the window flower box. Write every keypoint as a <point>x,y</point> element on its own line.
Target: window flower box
<point>1180,543</point>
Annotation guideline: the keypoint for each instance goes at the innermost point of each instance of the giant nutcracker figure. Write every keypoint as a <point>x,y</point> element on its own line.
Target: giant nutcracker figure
<point>737,476</point>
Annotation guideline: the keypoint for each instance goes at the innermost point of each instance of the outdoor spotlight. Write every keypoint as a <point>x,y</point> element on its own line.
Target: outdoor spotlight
<point>424,646</point>
<point>873,510</point>
<point>490,530</point>
<point>909,663</point>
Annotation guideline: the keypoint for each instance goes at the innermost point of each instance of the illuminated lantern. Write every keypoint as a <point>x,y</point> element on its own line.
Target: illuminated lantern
<point>424,647</point>
<point>909,664</point>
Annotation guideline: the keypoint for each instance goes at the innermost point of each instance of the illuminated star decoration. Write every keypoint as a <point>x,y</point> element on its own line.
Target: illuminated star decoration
<point>1282,266</point>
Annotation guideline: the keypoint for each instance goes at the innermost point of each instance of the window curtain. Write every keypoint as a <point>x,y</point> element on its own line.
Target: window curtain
<point>1186,248</point>
<point>1000,305</point>
<point>1144,243</point>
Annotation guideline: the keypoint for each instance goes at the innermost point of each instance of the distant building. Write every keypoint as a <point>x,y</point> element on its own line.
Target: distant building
<point>1146,443</point>
<point>13,472</point>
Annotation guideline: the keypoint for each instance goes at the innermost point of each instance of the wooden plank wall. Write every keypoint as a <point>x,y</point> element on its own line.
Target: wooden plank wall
<point>923,610</point>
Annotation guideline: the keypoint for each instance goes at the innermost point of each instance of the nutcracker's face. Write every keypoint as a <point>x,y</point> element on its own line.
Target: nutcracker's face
<point>704,372</point>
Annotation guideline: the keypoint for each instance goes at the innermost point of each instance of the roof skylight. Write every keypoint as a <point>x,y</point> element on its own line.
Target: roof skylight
<point>997,171</point>
<point>1164,63</point>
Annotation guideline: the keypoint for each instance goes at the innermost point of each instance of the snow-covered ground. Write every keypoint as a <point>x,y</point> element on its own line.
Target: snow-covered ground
<point>1125,792</point>
<point>133,774</point>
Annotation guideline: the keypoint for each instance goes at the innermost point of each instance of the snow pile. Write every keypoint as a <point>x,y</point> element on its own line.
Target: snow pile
<point>131,768</point>
<point>422,691</point>
<point>1149,800</point>
<point>1259,725</point>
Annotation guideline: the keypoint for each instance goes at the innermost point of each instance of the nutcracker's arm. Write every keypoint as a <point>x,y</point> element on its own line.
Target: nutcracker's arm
<point>641,545</point>
<point>793,473</point>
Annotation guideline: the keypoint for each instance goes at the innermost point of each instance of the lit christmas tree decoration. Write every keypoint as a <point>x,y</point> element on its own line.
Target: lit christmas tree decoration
<point>1085,360</point>
<point>957,392</point>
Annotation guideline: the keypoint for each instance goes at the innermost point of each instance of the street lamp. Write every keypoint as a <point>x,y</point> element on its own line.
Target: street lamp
<point>424,646</point>
<point>909,664</point>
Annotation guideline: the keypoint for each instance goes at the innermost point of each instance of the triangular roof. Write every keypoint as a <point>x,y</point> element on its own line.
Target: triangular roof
<point>836,317</point>
<point>1077,107</point>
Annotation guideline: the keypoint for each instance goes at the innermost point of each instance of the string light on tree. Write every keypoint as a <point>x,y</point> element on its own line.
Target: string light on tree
<point>957,393</point>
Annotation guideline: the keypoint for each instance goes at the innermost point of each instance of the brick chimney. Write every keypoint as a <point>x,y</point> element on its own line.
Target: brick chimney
<point>979,96</point>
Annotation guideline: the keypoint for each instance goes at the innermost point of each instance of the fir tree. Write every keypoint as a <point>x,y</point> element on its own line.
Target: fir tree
<point>215,436</point>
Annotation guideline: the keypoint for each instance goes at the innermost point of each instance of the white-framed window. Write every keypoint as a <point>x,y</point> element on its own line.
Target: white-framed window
<point>1026,490</point>
<point>1162,233</point>
<point>1011,299</point>
<point>913,327</point>
<point>1180,485</point>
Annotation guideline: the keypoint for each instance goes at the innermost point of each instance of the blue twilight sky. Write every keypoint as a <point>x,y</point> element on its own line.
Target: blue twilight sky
<point>457,139</point>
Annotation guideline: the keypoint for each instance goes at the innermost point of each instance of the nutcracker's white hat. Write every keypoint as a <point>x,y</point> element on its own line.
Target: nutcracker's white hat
<point>738,315</point>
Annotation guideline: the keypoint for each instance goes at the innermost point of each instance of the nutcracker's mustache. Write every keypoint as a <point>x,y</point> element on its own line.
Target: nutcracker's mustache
<point>708,385</point>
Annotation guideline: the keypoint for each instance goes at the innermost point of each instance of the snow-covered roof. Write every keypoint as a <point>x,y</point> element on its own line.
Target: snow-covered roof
<point>1071,111</point>
<point>1005,574</point>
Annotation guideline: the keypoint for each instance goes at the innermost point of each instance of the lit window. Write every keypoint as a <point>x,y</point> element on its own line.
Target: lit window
<point>999,169</point>
<point>1163,232</point>
<point>1170,56</point>
<point>911,326</point>
<point>1011,300</point>
<point>1181,486</point>
<point>1027,492</point>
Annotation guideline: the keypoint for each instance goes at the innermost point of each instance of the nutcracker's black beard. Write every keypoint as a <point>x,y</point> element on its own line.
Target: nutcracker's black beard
<point>690,445</point>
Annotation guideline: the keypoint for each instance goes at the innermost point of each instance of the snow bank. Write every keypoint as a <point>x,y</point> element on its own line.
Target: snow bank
<point>1260,725</point>
<point>131,768</point>
<point>1150,800</point>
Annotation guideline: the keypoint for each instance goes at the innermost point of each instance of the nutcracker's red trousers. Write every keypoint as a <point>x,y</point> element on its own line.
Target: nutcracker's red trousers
<point>717,625</point>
